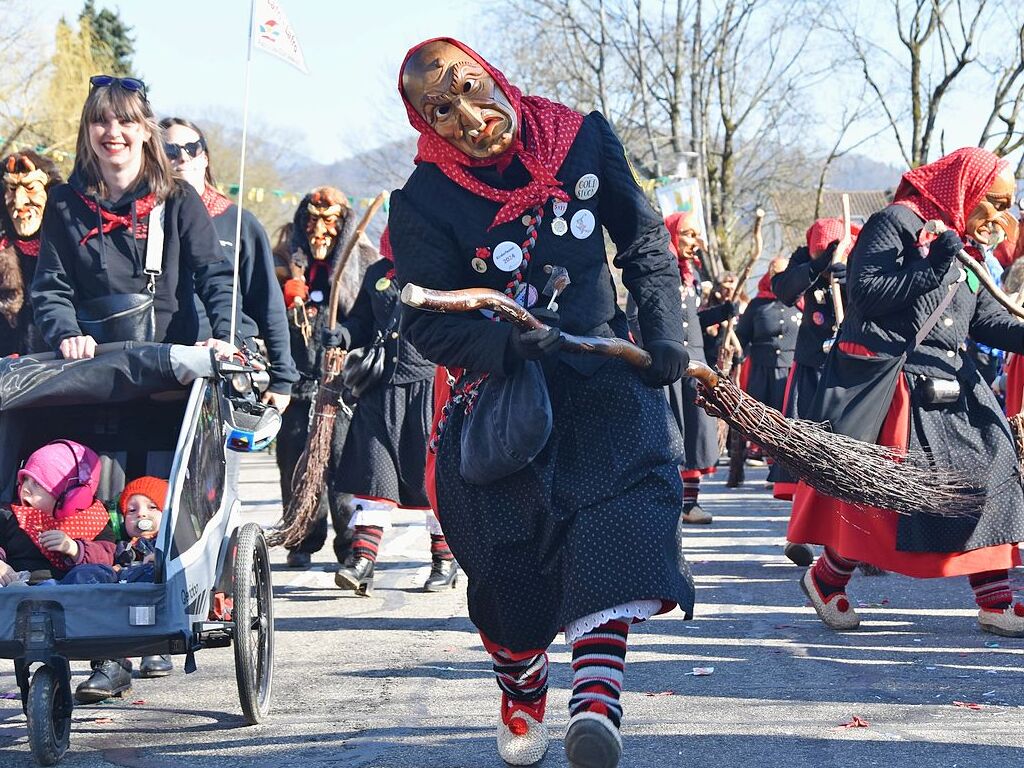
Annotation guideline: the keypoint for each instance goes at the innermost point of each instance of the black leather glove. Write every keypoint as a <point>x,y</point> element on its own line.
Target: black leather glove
<point>668,362</point>
<point>335,337</point>
<point>838,271</point>
<point>943,250</point>
<point>823,259</point>
<point>534,345</point>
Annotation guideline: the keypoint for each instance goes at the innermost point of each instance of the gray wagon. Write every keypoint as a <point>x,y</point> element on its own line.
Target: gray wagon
<point>153,409</point>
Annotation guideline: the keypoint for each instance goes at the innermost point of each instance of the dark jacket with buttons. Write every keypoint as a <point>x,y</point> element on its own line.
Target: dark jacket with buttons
<point>893,289</point>
<point>373,315</point>
<point>767,330</point>
<point>438,228</point>
<point>819,318</point>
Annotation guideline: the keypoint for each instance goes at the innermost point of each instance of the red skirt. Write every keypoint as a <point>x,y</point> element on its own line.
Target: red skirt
<point>868,535</point>
<point>1014,384</point>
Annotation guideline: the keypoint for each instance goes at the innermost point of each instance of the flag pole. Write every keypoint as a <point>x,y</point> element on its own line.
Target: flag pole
<point>241,175</point>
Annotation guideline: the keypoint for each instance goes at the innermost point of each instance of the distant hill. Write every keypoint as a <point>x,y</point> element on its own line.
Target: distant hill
<point>855,172</point>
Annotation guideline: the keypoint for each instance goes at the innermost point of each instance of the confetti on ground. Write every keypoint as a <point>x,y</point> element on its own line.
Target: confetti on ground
<point>702,671</point>
<point>138,702</point>
<point>856,722</point>
<point>660,693</point>
<point>103,720</point>
<point>967,705</point>
<point>13,695</point>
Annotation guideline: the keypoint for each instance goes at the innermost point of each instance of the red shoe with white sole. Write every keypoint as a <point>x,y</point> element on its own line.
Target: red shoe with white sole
<point>835,611</point>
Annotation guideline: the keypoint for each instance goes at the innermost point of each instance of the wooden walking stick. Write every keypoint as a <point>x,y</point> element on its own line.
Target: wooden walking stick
<point>859,473</point>
<point>308,479</point>
<point>731,345</point>
<point>842,253</point>
<point>734,443</point>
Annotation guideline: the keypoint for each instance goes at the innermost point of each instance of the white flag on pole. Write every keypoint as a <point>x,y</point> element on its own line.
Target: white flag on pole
<point>275,35</point>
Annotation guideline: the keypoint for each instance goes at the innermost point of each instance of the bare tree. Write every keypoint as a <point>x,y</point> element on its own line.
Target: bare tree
<point>937,43</point>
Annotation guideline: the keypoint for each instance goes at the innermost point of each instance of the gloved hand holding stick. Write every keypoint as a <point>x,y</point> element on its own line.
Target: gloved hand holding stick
<point>860,473</point>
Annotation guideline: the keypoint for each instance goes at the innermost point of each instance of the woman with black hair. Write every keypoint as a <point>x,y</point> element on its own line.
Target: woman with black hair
<point>262,301</point>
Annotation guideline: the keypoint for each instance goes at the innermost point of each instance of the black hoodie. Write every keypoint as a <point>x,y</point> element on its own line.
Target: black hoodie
<point>70,272</point>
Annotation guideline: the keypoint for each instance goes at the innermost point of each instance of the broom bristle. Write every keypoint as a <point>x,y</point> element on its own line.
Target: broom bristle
<point>308,478</point>
<point>859,473</point>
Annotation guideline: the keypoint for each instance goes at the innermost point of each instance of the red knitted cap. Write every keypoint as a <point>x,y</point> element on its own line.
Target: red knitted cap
<point>151,487</point>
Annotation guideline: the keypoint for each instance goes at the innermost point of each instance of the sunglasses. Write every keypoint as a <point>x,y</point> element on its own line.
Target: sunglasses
<point>132,84</point>
<point>193,149</point>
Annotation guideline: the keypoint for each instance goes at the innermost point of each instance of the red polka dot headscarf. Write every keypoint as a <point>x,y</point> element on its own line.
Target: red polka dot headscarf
<point>545,135</point>
<point>822,233</point>
<point>951,187</point>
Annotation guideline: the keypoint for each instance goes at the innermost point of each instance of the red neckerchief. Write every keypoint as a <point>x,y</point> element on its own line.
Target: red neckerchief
<point>950,188</point>
<point>85,525</point>
<point>385,251</point>
<point>112,221</point>
<point>549,129</point>
<point>215,202</point>
<point>29,247</point>
<point>823,232</point>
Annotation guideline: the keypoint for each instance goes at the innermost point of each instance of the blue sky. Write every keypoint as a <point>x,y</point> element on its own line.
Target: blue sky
<point>192,56</point>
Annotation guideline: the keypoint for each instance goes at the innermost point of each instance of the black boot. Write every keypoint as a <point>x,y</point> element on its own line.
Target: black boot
<point>356,574</point>
<point>298,559</point>
<point>110,677</point>
<point>800,554</point>
<point>155,666</point>
<point>444,574</point>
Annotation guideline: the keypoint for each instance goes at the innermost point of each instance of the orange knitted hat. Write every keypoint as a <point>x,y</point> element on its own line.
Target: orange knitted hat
<point>151,487</point>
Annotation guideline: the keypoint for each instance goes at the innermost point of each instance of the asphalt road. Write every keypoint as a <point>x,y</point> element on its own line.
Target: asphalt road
<point>400,680</point>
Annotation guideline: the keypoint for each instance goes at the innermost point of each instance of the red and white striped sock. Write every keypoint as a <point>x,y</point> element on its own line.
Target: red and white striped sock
<point>598,664</point>
<point>992,590</point>
<point>366,541</point>
<point>439,548</point>
<point>691,489</point>
<point>832,572</point>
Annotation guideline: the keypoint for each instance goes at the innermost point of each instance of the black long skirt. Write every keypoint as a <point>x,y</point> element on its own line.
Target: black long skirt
<point>800,392</point>
<point>590,524</point>
<point>699,430</point>
<point>386,450</point>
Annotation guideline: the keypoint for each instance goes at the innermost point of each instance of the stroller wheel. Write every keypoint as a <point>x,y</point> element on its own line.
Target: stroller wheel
<point>254,623</point>
<point>49,717</point>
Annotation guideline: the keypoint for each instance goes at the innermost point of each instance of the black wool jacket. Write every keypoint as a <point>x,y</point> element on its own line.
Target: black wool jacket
<point>438,229</point>
<point>819,317</point>
<point>893,289</point>
<point>373,314</point>
<point>262,302</point>
<point>70,272</point>
<point>767,330</point>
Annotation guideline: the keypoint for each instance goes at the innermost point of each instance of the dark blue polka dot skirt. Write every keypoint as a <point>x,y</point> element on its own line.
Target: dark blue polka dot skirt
<point>588,525</point>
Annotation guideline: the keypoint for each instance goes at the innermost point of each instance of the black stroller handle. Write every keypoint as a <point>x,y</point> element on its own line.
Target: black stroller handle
<point>101,349</point>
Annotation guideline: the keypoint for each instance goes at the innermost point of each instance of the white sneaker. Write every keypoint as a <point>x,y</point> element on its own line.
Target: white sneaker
<point>1008,622</point>
<point>522,733</point>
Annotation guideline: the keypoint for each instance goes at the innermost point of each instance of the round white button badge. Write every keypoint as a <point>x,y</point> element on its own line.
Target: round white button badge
<point>507,256</point>
<point>587,186</point>
<point>582,224</point>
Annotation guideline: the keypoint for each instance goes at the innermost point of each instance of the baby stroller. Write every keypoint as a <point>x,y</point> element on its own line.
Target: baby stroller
<point>146,409</point>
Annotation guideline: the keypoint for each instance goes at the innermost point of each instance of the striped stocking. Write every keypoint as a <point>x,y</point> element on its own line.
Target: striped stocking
<point>598,663</point>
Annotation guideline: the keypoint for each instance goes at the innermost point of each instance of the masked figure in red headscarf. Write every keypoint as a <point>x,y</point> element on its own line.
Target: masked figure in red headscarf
<point>699,429</point>
<point>583,536</point>
<point>811,271</point>
<point>898,375</point>
<point>767,329</point>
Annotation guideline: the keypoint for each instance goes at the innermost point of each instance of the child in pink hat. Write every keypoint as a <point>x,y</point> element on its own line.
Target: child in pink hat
<point>57,522</point>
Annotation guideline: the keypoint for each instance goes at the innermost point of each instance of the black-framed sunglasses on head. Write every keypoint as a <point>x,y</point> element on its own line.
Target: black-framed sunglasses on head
<point>132,84</point>
<point>192,149</point>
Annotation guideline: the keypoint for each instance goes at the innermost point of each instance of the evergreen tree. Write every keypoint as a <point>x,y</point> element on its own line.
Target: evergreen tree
<point>111,37</point>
